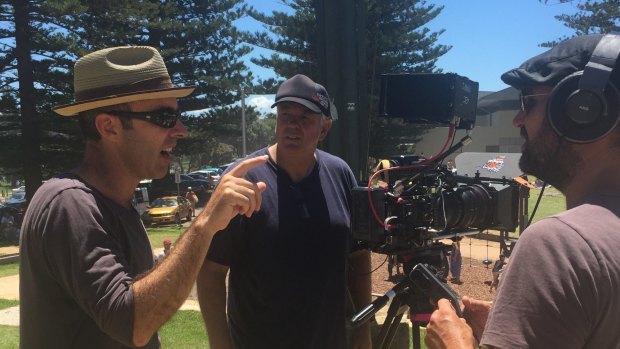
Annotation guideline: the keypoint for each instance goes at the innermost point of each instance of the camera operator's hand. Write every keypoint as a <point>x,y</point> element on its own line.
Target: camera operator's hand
<point>476,313</point>
<point>447,330</point>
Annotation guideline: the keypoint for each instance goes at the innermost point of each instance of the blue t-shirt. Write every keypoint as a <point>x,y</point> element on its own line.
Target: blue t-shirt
<point>287,281</point>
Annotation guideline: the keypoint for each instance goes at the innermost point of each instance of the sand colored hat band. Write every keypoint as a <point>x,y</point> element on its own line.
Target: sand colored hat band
<point>120,75</point>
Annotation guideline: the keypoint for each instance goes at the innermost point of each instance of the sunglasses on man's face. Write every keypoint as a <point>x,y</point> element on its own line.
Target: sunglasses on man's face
<point>165,118</point>
<point>527,101</point>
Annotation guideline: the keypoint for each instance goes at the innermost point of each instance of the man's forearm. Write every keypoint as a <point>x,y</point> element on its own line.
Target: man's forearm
<point>212,299</point>
<point>159,294</point>
<point>360,286</point>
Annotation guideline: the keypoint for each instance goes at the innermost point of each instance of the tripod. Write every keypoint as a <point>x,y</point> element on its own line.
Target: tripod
<point>414,292</point>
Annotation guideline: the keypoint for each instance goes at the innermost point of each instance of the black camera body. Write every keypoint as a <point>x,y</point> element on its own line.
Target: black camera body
<point>433,99</point>
<point>412,214</point>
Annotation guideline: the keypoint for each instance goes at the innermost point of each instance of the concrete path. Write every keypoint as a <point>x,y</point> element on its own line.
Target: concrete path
<point>9,316</point>
<point>477,249</point>
<point>9,289</point>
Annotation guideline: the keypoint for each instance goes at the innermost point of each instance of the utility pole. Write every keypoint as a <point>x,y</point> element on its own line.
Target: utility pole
<point>243,120</point>
<point>342,69</point>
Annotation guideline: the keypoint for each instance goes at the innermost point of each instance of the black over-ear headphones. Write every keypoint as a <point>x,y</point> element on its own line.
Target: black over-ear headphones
<point>584,106</point>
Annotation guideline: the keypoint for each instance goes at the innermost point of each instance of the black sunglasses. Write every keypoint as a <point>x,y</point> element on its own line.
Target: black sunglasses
<point>525,98</point>
<point>165,118</point>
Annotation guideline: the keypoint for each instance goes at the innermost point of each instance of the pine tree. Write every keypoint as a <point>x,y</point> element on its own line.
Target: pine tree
<point>396,41</point>
<point>33,69</point>
<point>593,17</point>
<point>197,39</point>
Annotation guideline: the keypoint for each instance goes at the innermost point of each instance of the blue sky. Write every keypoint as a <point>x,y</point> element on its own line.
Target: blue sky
<point>488,37</point>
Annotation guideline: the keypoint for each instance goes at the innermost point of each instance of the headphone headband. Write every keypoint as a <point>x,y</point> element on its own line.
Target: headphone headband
<point>585,106</point>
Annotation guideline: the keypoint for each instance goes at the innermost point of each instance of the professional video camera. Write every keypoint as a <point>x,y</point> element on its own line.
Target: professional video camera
<point>425,203</point>
<point>421,201</point>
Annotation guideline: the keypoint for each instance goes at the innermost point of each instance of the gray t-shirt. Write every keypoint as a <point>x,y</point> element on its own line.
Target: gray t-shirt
<point>79,254</point>
<point>560,289</point>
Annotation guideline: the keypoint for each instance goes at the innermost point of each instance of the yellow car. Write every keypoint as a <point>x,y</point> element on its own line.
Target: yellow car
<point>168,209</point>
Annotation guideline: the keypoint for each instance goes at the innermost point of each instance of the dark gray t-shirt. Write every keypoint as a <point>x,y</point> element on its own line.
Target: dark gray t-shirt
<point>560,288</point>
<point>79,254</point>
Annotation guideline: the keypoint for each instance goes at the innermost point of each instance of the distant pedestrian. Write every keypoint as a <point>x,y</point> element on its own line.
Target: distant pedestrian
<point>393,262</point>
<point>165,252</point>
<point>193,200</point>
<point>498,268</point>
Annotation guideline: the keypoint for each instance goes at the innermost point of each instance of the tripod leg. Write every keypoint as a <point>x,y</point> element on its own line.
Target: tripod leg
<point>394,315</point>
<point>417,339</point>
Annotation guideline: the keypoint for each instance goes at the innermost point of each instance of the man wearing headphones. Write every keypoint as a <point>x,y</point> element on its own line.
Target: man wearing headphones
<point>560,289</point>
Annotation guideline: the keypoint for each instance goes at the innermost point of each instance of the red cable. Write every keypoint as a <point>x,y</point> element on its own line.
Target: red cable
<point>451,134</point>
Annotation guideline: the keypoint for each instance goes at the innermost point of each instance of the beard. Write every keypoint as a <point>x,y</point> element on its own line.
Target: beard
<point>549,157</point>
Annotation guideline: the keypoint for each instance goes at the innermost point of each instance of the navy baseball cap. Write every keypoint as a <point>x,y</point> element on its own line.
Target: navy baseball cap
<point>551,66</point>
<point>301,89</point>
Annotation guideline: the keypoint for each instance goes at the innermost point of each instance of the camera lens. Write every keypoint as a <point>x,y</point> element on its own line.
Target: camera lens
<point>468,206</point>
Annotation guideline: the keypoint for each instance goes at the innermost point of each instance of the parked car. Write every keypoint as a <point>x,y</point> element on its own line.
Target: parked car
<point>197,183</point>
<point>9,232</point>
<point>214,173</point>
<point>17,201</point>
<point>212,182</point>
<point>166,187</point>
<point>170,209</point>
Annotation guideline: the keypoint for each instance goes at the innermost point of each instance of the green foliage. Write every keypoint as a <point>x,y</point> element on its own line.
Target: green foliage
<point>403,137</point>
<point>9,269</point>
<point>593,17</point>
<point>216,137</point>
<point>197,39</point>
<point>397,41</point>
<point>292,37</point>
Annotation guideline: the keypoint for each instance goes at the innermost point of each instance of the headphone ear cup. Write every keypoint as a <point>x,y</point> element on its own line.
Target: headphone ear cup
<point>582,116</point>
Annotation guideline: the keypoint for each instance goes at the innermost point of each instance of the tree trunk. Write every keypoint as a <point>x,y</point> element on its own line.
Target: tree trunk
<point>342,69</point>
<point>30,131</point>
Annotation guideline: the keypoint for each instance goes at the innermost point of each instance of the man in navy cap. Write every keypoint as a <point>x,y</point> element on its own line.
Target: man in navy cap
<point>294,275</point>
<point>560,289</point>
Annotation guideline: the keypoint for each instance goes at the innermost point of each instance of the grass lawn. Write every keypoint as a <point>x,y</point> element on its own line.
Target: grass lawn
<point>185,330</point>
<point>7,303</point>
<point>9,337</point>
<point>159,233</point>
<point>551,203</point>
<point>9,269</point>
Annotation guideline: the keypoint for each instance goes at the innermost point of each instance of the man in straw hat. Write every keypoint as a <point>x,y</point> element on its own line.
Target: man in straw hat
<point>560,289</point>
<point>292,264</point>
<point>86,266</point>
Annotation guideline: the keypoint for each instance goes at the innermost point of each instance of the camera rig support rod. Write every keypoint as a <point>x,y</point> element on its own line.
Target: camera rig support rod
<point>463,142</point>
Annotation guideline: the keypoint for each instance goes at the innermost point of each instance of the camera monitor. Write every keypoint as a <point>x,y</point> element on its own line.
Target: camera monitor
<point>429,98</point>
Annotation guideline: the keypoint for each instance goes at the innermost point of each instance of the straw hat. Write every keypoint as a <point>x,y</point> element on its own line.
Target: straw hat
<point>120,75</point>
